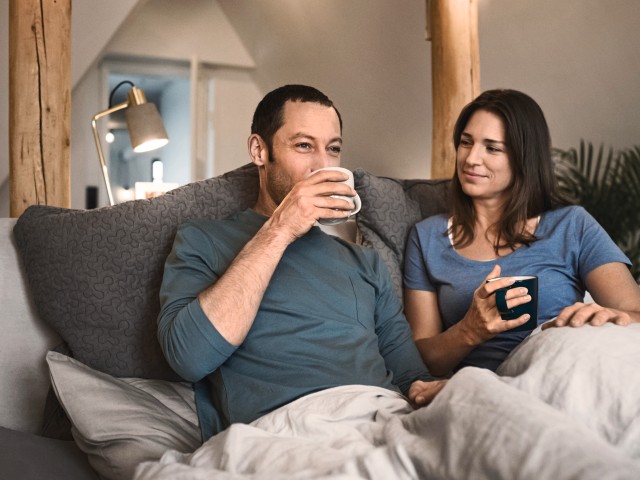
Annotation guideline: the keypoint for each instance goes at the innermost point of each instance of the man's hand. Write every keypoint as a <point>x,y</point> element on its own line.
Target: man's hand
<point>422,393</point>
<point>309,200</point>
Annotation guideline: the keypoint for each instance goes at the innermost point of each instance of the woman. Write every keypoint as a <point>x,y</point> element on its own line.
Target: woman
<point>507,219</point>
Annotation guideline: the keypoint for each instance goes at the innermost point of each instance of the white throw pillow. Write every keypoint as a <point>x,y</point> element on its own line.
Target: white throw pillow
<point>120,422</point>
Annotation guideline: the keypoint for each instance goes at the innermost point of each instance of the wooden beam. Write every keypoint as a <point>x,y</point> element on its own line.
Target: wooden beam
<point>455,70</point>
<point>39,103</point>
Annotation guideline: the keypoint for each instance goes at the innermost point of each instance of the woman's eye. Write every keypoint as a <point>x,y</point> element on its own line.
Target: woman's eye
<point>494,150</point>
<point>465,143</point>
<point>335,149</point>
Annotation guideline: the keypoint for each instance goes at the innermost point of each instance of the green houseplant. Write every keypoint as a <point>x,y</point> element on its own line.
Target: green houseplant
<point>607,184</point>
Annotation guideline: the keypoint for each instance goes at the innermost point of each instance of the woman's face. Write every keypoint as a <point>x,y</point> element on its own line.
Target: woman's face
<point>483,164</point>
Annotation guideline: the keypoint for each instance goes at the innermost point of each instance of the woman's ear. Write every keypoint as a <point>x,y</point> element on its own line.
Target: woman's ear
<point>257,149</point>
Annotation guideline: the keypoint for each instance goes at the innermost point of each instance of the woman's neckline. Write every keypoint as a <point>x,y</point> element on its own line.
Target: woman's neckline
<point>450,237</point>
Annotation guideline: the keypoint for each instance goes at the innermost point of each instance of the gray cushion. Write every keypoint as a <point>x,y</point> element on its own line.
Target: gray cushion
<point>390,207</point>
<point>119,423</point>
<point>95,275</point>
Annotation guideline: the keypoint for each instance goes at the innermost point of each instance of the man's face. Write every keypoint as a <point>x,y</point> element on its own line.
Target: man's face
<point>309,139</point>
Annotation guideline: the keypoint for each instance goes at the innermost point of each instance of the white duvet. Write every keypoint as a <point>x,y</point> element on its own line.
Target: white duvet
<point>565,405</point>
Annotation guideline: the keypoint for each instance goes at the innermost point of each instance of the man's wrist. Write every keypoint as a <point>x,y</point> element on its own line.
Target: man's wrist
<point>277,234</point>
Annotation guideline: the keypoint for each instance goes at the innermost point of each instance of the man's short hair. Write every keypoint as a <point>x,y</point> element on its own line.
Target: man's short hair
<point>269,114</point>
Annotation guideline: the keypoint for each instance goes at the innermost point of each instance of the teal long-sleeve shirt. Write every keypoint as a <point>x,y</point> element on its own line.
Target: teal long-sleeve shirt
<point>329,317</point>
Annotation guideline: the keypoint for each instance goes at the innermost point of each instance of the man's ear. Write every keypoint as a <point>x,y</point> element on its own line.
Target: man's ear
<point>257,149</point>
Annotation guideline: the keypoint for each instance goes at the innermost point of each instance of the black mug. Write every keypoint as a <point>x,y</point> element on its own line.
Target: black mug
<point>530,282</point>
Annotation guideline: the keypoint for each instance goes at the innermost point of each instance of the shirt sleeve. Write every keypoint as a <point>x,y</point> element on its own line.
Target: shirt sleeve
<point>394,335</point>
<point>596,246</point>
<point>191,344</point>
<point>415,270</point>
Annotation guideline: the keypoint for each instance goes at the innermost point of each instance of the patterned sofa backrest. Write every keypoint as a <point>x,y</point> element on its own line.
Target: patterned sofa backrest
<point>390,207</point>
<point>95,275</point>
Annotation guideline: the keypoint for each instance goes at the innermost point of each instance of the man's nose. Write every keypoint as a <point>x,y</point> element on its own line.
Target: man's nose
<point>324,159</point>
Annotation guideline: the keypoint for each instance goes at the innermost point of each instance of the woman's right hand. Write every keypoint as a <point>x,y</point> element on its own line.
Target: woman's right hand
<point>482,321</point>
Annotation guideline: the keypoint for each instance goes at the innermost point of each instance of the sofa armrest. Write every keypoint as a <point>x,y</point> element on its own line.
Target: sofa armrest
<point>24,341</point>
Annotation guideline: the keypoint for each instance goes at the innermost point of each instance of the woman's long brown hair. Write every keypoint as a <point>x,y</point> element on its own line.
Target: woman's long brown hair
<point>532,190</point>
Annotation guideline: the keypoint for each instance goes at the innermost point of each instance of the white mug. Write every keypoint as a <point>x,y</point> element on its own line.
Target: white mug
<point>357,203</point>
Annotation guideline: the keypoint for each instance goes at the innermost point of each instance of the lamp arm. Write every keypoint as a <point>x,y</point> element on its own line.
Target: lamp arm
<point>96,137</point>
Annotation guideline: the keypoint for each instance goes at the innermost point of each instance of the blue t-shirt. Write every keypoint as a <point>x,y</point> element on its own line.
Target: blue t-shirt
<point>329,317</point>
<point>571,244</point>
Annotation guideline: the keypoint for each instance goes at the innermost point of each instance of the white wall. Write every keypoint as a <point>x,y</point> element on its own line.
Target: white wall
<point>368,56</point>
<point>576,57</point>
<point>86,101</point>
<point>236,97</point>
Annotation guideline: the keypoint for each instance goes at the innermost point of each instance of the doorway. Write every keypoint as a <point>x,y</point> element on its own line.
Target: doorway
<point>169,88</point>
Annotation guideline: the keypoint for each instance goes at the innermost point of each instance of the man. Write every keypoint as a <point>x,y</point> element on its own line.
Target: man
<point>263,308</point>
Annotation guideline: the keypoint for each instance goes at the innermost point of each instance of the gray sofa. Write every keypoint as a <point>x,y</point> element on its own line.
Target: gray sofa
<point>85,283</point>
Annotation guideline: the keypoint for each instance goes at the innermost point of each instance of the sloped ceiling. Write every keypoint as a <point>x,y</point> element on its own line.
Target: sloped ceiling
<point>93,24</point>
<point>180,31</point>
<point>373,62</point>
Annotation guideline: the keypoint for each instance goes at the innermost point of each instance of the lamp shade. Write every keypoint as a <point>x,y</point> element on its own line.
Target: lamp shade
<point>146,130</point>
<point>145,127</point>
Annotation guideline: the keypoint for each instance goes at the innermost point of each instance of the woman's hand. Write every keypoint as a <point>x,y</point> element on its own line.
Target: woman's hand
<point>616,295</point>
<point>483,321</point>
<point>580,314</point>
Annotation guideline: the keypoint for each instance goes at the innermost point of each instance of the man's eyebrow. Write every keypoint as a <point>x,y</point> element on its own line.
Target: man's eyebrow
<point>302,135</point>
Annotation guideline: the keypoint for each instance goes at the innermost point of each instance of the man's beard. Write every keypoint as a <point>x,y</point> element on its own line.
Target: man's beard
<point>279,183</point>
